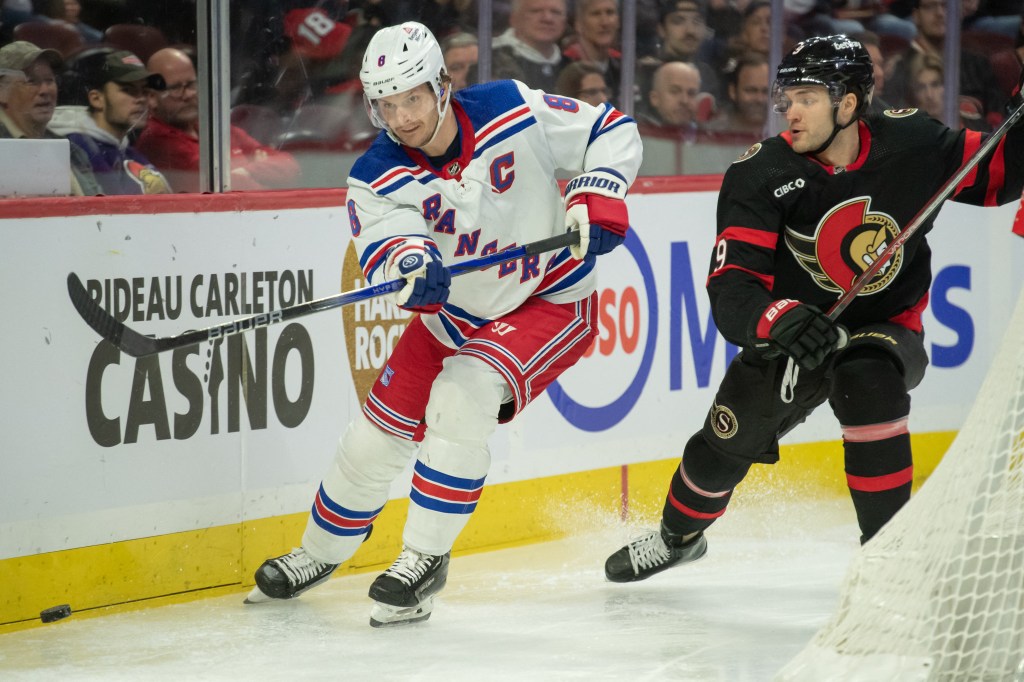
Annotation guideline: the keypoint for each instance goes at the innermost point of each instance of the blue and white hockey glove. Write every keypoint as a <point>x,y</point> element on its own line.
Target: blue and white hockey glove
<point>426,279</point>
<point>595,206</point>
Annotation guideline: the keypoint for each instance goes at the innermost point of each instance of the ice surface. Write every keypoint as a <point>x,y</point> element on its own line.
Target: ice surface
<point>538,612</point>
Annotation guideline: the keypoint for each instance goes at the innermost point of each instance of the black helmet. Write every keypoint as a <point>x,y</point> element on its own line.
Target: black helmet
<point>837,62</point>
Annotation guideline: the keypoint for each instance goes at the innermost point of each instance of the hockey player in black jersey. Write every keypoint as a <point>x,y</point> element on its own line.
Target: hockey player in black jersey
<point>800,216</point>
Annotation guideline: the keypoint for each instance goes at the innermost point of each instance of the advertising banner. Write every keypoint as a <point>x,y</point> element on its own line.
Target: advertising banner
<point>101,447</point>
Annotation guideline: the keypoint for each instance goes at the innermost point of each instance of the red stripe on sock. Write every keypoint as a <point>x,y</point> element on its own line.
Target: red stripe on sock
<point>875,484</point>
<point>692,513</point>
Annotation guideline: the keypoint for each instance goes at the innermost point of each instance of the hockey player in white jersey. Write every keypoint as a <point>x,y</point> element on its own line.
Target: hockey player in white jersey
<point>455,177</point>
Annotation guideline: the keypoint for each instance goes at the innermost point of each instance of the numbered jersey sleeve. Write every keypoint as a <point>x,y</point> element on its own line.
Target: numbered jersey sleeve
<point>582,137</point>
<point>379,225</point>
<point>750,222</point>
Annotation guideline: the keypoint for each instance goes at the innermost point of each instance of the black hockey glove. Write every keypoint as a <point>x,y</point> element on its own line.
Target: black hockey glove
<point>800,331</point>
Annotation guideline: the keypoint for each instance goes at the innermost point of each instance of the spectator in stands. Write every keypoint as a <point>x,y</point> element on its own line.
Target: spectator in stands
<point>873,45</point>
<point>171,137</point>
<point>979,16</point>
<point>596,23</point>
<point>460,53</point>
<point>977,79</point>
<point>747,93</point>
<point>925,86</point>
<point>755,32</point>
<point>819,18</point>
<point>583,81</point>
<point>28,98</point>
<point>528,51</point>
<point>683,31</point>
<point>117,87</point>
<point>69,12</point>
<point>673,98</point>
<point>12,13</point>
<point>926,90</point>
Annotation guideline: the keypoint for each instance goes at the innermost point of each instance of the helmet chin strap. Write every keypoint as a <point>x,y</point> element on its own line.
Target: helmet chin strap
<point>446,96</point>
<point>835,130</point>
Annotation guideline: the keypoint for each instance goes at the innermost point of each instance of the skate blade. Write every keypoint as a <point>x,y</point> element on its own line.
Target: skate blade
<point>257,597</point>
<point>385,615</point>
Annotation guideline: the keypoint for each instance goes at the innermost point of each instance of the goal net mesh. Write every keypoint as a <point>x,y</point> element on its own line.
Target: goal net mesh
<point>938,593</point>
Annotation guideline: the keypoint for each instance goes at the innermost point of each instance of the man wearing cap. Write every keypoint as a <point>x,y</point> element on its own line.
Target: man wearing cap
<point>171,137</point>
<point>28,97</point>
<point>117,86</point>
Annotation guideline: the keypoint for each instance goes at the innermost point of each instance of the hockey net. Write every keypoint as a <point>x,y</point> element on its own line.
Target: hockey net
<point>938,593</point>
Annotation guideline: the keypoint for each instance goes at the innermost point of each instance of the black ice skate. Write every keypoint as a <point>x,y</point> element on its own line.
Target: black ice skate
<point>405,592</point>
<point>288,576</point>
<point>652,553</point>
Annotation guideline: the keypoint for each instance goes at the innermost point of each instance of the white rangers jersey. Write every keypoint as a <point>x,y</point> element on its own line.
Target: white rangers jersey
<point>501,191</point>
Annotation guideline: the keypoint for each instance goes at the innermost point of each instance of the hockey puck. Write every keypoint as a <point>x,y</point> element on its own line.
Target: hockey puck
<point>55,613</point>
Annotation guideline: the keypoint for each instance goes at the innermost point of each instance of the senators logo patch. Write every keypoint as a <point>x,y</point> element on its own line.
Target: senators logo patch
<point>723,421</point>
<point>899,113</point>
<point>846,242</point>
<point>754,149</point>
<point>147,178</point>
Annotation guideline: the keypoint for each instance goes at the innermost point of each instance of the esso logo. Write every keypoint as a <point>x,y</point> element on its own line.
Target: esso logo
<point>603,387</point>
<point>618,322</point>
<point>789,187</point>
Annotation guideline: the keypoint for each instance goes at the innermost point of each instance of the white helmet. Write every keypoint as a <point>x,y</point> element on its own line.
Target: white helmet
<point>397,59</point>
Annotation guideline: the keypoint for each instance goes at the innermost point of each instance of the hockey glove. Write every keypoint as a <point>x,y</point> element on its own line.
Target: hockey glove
<point>595,207</point>
<point>426,279</point>
<point>800,331</point>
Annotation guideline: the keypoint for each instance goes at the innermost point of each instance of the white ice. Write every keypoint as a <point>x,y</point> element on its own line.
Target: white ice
<point>537,612</point>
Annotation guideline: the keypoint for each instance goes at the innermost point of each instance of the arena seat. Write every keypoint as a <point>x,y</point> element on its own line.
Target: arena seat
<point>139,39</point>
<point>54,36</point>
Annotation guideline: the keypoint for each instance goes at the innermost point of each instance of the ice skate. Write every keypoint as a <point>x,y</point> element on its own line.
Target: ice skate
<point>651,553</point>
<point>405,592</point>
<point>288,576</point>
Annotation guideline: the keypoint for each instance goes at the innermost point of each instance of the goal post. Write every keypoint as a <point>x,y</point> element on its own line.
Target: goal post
<point>938,593</point>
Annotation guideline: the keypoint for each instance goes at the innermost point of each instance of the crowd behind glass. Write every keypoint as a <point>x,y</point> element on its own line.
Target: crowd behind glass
<point>119,78</point>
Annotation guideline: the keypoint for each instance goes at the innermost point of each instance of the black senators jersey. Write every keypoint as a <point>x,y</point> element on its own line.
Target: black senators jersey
<point>790,227</point>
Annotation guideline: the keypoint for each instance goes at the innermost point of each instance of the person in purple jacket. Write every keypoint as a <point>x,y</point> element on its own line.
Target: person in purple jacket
<point>116,87</point>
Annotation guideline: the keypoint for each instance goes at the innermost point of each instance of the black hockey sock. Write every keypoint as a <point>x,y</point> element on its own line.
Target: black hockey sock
<point>701,488</point>
<point>879,474</point>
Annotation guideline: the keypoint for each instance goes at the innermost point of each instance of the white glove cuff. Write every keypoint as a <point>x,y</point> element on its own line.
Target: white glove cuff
<point>411,245</point>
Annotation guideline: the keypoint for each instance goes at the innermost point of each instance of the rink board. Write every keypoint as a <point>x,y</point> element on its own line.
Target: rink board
<point>126,480</point>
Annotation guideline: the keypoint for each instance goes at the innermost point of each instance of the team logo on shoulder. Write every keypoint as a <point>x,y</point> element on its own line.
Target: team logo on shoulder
<point>899,113</point>
<point>846,242</point>
<point>755,148</point>
<point>723,421</point>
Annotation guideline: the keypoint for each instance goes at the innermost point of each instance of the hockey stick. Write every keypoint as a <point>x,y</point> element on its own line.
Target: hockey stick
<point>137,345</point>
<point>924,214</point>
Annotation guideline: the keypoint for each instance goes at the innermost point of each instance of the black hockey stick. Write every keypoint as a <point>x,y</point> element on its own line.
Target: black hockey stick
<point>924,214</point>
<point>138,345</point>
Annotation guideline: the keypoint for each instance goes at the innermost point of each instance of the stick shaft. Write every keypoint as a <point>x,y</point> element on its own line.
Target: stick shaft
<point>925,214</point>
<point>133,343</point>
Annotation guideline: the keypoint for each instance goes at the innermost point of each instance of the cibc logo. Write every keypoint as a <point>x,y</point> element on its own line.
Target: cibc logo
<point>603,387</point>
<point>789,187</point>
